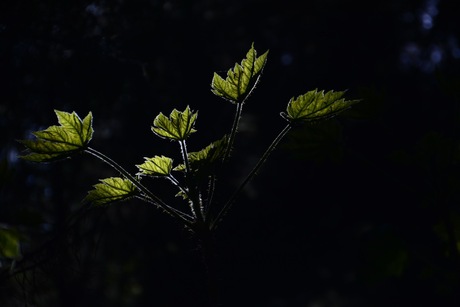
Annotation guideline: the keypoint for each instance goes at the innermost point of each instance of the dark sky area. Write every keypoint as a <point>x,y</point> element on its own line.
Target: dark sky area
<point>361,210</point>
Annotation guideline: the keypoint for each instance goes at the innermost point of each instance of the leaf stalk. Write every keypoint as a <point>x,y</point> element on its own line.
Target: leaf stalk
<point>236,120</point>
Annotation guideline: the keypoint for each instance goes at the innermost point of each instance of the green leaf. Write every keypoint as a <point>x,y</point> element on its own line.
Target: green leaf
<point>156,166</point>
<point>315,106</point>
<point>177,127</point>
<point>205,159</point>
<point>59,142</point>
<point>110,190</point>
<point>242,79</point>
<point>9,244</point>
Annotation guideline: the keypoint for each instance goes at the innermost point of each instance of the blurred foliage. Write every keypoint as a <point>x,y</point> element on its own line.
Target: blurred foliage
<point>9,244</point>
<point>386,256</point>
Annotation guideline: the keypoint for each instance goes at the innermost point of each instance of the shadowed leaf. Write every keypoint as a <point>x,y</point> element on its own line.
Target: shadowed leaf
<point>241,79</point>
<point>203,160</point>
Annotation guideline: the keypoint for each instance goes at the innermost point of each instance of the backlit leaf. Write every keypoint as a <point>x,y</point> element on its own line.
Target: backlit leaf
<point>178,126</point>
<point>110,190</point>
<point>205,159</point>
<point>156,166</point>
<point>315,106</point>
<point>58,142</point>
<point>240,80</point>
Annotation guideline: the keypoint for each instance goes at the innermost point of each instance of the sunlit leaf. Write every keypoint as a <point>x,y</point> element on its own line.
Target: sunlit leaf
<point>156,166</point>
<point>9,244</point>
<point>315,106</point>
<point>58,142</point>
<point>240,80</point>
<point>110,190</point>
<point>178,126</point>
<point>205,159</point>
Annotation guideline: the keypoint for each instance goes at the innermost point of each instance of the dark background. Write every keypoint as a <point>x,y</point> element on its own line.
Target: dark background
<point>362,210</point>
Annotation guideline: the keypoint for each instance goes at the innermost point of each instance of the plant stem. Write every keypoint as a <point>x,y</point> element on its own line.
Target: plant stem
<point>160,203</point>
<point>236,119</point>
<point>183,149</point>
<point>208,252</point>
<point>254,171</point>
<point>211,189</point>
<point>177,184</point>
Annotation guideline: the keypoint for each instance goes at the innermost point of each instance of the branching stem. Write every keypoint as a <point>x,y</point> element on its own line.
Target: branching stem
<point>158,201</point>
<point>192,188</point>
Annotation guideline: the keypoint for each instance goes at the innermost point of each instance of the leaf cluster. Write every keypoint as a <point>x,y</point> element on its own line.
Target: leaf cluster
<point>74,134</point>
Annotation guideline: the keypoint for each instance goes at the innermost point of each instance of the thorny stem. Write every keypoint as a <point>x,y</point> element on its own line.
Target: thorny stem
<point>183,147</point>
<point>149,200</point>
<point>155,199</point>
<point>254,171</point>
<point>202,231</point>
<point>192,188</point>
<point>177,184</point>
